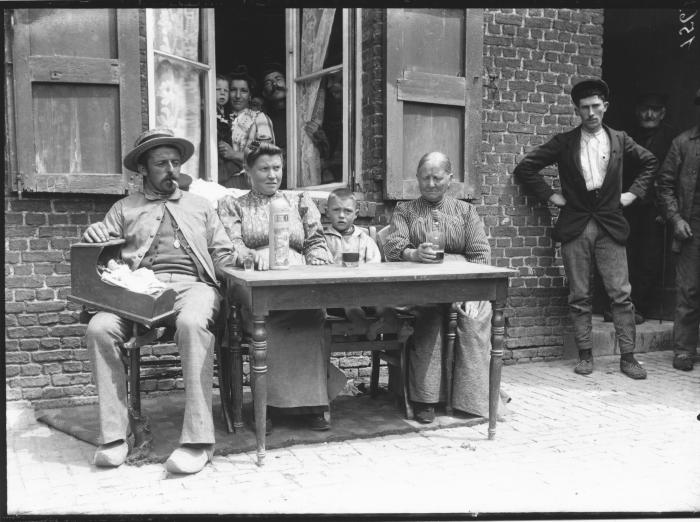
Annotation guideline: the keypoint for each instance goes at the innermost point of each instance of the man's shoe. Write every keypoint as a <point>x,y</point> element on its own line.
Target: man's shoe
<point>188,459</point>
<point>424,413</point>
<point>111,455</point>
<point>683,362</point>
<point>607,316</point>
<point>633,369</point>
<point>584,367</point>
<point>638,318</point>
<point>318,422</point>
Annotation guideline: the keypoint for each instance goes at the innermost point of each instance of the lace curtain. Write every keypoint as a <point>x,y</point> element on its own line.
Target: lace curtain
<point>178,83</point>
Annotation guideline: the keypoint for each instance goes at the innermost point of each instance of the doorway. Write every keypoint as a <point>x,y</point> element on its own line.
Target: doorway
<point>651,50</point>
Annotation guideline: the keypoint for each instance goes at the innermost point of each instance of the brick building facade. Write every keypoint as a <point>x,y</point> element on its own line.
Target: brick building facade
<point>530,57</point>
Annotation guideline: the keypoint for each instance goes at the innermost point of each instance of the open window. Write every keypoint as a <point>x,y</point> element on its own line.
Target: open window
<point>180,53</point>
<point>320,68</point>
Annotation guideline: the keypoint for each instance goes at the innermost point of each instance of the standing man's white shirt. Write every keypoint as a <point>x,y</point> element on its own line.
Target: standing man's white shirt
<point>595,154</point>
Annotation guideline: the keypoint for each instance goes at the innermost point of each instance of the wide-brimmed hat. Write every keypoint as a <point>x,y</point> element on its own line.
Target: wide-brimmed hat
<point>651,99</point>
<point>586,85</point>
<point>157,138</point>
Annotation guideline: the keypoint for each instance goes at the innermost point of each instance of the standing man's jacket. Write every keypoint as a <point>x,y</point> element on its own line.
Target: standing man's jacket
<point>603,205</point>
<point>678,176</point>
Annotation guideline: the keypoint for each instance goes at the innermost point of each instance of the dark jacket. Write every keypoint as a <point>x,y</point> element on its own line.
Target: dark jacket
<point>605,208</point>
<point>678,177</point>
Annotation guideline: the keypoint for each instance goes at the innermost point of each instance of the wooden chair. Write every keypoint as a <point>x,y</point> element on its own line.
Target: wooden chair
<point>342,335</point>
<point>148,314</point>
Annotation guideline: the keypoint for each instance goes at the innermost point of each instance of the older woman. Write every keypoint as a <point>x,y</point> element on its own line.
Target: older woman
<point>465,240</point>
<point>301,377</point>
<point>249,128</point>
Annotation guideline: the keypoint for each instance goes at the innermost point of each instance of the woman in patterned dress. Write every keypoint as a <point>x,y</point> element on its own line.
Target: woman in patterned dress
<point>249,128</point>
<point>465,240</point>
<point>301,378</point>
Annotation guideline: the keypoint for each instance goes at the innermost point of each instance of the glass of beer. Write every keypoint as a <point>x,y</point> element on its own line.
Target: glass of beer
<point>351,251</point>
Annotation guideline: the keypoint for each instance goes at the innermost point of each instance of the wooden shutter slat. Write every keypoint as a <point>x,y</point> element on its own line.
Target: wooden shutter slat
<point>95,183</point>
<point>432,88</point>
<point>73,70</point>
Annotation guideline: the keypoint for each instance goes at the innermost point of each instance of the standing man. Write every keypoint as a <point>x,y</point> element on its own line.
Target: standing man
<point>591,227</point>
<point>274,90</point>
<point>679,197</point>
<point>179,236</point>
<point>646,242</point>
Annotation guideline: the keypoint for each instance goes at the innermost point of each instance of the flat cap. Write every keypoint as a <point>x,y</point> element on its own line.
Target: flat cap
<point>583,89</point>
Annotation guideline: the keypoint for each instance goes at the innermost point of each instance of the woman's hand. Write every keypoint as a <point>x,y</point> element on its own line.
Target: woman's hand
<point>226,151</point>
<point>425,253</point>
<point>316,261</point>
<point>261,260</point>
<point>557,199</point>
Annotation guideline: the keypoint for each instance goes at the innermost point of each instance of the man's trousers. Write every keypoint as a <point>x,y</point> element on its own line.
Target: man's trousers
<point>594,247</point>
<point>197,305</point>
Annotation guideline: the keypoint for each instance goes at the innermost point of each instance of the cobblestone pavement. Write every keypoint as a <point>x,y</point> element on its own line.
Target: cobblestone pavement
<point>581,444</point>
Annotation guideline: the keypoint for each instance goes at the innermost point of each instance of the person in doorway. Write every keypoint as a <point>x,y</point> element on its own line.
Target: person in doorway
<point>181,239</point>
<point>249,128</point>
<point>645,246</point>
<point>465,240</point>
<point>302,381</point>
<point>274,91</point>
<point>591,226</point>
<point>679,198</point>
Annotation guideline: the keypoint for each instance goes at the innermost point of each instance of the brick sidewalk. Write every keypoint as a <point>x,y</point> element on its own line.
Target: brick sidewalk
<point>571,443</point>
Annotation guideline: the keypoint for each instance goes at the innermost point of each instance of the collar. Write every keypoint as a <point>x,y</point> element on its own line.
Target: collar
<point>152,195</point>
<point>333,232</point>
<point>590,135</point>
<point>437,205</point>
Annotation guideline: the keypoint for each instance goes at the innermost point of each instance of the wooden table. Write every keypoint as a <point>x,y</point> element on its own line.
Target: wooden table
<point>326,286</point>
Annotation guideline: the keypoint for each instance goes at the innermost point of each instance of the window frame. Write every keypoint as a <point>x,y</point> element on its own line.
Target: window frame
<point>208,103</point>
<point>350,27</point>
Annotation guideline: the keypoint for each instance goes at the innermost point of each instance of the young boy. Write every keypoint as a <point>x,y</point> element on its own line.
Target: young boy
<point>342,212</point>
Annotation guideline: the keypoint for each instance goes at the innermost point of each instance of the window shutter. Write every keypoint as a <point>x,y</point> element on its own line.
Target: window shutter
<point>77,98</point>
<point>434,90</point>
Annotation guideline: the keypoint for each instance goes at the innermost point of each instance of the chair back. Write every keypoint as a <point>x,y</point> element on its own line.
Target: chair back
<point>380,238</point>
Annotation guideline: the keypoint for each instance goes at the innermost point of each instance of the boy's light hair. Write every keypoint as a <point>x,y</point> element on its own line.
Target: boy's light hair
<point>342,193</point>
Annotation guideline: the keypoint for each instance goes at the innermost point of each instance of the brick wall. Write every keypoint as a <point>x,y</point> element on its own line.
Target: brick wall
<point>531,57</point>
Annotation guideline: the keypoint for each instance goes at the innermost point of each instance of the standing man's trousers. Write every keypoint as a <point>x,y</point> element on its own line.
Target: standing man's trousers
<point>197,305</point>
<point>594,247</point>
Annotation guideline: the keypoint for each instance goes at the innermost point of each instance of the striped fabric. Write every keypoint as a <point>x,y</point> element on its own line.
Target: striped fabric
<point>461,225</point>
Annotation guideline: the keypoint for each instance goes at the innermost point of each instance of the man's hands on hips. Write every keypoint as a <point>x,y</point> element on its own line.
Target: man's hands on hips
<point>96,233</point>
<point>627,198</point>
<point>557,199</point>
<point>681,230</point>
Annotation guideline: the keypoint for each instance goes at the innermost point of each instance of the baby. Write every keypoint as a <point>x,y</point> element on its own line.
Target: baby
<point>342,212</point>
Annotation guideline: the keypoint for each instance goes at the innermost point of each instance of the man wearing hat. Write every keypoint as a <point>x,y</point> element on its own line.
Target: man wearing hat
<point>679,198</point>
<point>178,236</point>
<point>591,227</point>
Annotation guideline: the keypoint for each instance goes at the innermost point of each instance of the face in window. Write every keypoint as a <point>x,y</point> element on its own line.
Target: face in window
<point>649,116</point>
<point>433,181</point>
<point>161,168</point>
<point>342,213</point>
<point>240,95</point>
<point>591,111</point>
<point>221,92</point>
<point>274,86</point>
<point>266,174</point>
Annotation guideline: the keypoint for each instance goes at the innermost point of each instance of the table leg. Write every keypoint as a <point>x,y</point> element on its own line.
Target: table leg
<point>236,368</point>
<point>449,366</point>
<point>259,381</point>
<point>497,333</point>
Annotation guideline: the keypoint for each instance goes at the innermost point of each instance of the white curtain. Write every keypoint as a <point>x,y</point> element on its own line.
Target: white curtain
<point>178,84</point>
<point>317,24</point>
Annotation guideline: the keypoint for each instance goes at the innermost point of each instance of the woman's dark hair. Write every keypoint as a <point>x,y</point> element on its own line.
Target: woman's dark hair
<point>241,73</point>
<point>264,149</point>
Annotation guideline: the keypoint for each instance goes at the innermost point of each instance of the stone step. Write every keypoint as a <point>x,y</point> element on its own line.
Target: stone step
<point>652,336</point>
